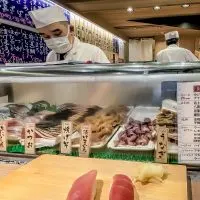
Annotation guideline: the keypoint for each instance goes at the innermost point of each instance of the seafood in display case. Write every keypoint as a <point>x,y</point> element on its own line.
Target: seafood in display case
<point>48,119</point>
<point>138,133</point>
<point>123,104</point>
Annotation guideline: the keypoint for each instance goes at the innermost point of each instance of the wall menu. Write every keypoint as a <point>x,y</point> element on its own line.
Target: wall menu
<point>20,46</point>
<point>188,97</point>
<point>17,10</point>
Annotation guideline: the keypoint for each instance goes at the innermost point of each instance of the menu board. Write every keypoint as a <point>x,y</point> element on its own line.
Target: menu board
<point>188,98</point>
<point>21,46</point>
<point>17,10</point>
<point>115,45</point>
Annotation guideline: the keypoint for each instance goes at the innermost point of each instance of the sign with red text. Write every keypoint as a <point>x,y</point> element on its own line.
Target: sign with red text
<point>188,98</point>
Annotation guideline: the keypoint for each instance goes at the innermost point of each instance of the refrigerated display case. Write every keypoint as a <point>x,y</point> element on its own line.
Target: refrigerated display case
<point>123,104</point>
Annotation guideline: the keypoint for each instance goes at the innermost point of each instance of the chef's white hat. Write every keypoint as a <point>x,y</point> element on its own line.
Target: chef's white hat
<point>171,35</point>
<point>45,16</point>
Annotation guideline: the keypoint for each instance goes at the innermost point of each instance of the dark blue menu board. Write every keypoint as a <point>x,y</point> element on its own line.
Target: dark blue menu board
<point>115,45</point>
<point>17,10</point>
<point>21,46</point>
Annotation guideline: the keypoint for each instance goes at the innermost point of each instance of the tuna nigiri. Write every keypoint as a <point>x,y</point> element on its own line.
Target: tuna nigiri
<point>84,188</point>
<point>122,188</point>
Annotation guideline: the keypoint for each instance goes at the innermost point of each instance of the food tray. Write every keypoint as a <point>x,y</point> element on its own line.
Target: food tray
<point>41,142</point>
<point>111,144</point>
<point>172,148</point>
<point>141,112</point>
<point>94,145</point>
<point>131,108</point>
<point>99,145</point>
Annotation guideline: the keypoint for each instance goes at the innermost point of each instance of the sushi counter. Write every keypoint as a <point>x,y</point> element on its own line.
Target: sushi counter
<point>99,132</point>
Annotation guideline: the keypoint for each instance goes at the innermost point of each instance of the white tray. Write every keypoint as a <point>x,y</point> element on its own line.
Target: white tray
<point>141,112</point>
<point>111,144</point>
<point>41,142</point>
<point>172,148</point>
<point>95,145</point>
<point>131,109</point>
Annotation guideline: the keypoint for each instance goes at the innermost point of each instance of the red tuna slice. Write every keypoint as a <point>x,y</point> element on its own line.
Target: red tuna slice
<point>120,193</point>
<point>125,183</point>
<point>84,188</point>
<point>122,176</point>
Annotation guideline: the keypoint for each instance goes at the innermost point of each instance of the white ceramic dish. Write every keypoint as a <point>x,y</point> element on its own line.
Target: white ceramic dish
<point>141,112</point>
<point>172,148</point>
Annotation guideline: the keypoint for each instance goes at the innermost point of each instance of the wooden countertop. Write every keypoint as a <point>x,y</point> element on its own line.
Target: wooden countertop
<point>7,168</point>
<point>49,176</point>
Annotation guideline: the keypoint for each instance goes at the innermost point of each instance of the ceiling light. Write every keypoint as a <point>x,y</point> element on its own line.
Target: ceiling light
<point>156,7</point>
<point>130,9</point>
<point>185,5</point>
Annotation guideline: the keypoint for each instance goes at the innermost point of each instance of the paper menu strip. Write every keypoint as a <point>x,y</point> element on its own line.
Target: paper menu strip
<point>188,98</point>
<point>29,138</point>
<point>85,142</point>
<point>3,136</point>
<point>162,144</point>
<point>66,144</point>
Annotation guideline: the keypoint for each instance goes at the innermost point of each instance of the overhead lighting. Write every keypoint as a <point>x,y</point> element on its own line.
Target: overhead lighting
<point>186,5</point>
<point>130,9</point>
<point>156,7</point>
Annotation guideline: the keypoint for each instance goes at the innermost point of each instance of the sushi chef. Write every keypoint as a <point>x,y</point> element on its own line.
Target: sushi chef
<point>174,53</point>
<point>53,26</point>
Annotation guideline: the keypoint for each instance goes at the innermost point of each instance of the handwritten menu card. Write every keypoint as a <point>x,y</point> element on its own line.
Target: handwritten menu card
<point>3,136</point>
<point>85,141</point>
<point>162,144</point>
<point>66,144</point>
<point>30,138</point>
<point>17,10</point>
<point>188,98</point>
<point>21,46</point>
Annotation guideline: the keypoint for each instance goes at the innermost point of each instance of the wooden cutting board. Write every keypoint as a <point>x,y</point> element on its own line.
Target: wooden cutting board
<point>50,178</point>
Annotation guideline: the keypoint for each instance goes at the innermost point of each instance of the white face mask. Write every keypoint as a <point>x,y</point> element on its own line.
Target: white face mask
<point>59,44</point>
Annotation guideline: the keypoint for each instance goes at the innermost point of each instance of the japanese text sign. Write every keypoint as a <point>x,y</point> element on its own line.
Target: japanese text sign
<point>85,141</point>
<point>67,130</point>
<point>162,144</point>
<point>3,136</point>
<point>29,138</point>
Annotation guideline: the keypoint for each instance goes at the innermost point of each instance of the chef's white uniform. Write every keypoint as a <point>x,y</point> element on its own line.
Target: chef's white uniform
<point>174,53</point>
<point>81,52</point>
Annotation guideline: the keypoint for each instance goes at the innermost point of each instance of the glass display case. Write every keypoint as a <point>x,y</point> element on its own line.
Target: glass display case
<point>124,104</point>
